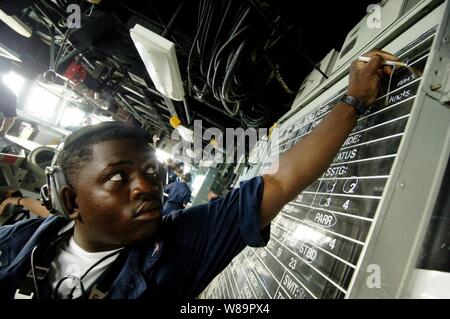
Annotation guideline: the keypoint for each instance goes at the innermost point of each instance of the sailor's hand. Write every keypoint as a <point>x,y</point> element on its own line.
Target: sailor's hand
<point>365,77</point>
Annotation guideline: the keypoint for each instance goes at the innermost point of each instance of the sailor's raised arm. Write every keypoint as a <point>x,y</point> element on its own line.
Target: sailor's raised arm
<point>307,160</point>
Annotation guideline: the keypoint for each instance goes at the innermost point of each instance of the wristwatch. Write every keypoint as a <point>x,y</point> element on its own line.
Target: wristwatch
<point>360,107</point>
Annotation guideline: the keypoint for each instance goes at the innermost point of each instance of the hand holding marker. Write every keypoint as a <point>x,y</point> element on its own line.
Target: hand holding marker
<point>393,64</point>
<point>398,64</point>
<point>386,62</point>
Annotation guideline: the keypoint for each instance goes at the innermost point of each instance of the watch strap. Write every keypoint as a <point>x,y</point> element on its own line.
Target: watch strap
<point>360,107</point>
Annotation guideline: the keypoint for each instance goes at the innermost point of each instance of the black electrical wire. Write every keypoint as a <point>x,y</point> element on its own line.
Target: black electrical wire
<point>215,47</point>
<point>222,56</point>
<point>191,86</point>
<point>164,25</point>
<point>230,71</point>
<point>278,75</point>
<point>226,59</point>
<point>232,39</point>
<point>305,56</point>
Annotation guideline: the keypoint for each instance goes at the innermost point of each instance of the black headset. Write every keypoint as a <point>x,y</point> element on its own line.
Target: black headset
<point>56,179</point>
<point>50,193</point>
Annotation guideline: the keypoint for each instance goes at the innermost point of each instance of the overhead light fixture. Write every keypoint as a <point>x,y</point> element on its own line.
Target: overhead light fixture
<point>162,155</point>
<point>160,60</point>
<point>185,133</point>
<point>14,82</point>
<point>16,24</point>
<point>72,116</point>
<point>42,103</point>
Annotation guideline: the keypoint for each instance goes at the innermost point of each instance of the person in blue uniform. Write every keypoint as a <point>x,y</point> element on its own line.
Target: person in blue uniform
<point>174,170</point>
<point>109,239</point>
<point>178,194</point>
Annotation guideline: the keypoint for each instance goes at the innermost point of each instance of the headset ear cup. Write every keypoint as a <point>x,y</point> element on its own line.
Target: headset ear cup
<point>51,193</point>
<point>57,182</point>
<point>45,197</point>
<point>45,194</point>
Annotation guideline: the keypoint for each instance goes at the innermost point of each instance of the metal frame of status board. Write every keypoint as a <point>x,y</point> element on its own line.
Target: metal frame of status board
<point>411,192</point>
<point>395,219</point>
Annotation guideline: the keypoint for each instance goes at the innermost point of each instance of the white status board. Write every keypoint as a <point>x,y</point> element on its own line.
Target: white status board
<point>321,240</point>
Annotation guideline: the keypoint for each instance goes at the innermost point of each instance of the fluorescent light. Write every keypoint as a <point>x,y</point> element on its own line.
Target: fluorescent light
<point>162,155</point>
<point>16,24</point>
<point>72,117</point>
<point>42,103</point>
<point>14,82</point>
<point>160,60</point>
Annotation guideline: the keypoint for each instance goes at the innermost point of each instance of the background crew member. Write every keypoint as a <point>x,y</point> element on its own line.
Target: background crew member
<point>178,194</point>
<point>31,204</point>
